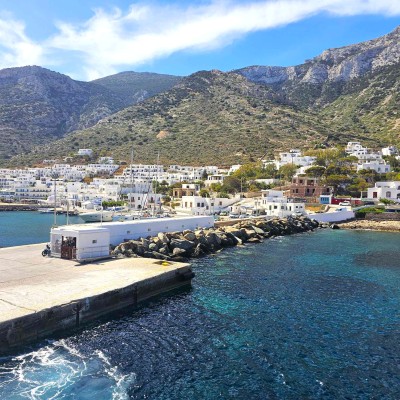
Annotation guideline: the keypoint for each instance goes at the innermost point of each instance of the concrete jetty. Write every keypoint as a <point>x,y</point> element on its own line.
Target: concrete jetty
<point>40,296</point>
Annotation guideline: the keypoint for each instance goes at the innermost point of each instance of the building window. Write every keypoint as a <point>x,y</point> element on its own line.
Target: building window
<point>94,241</point>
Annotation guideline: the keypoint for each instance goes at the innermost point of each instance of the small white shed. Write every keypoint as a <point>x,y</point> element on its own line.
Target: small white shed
<point>80,242</point>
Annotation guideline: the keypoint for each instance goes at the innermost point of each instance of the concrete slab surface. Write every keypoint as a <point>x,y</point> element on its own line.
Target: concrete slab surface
<point>30,283</point>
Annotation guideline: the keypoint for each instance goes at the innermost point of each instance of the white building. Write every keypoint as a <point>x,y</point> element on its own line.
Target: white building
<point>385,190</point>
<point>390,151</point>
<point>354,148</point>
<point>277,205</point>
<point>197,205</point>
<point>85,152</point>
<point>234,168</point>
<point>216,178</point>
<point>379,166</point>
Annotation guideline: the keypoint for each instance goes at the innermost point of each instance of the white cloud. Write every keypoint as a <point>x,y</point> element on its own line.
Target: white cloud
<point>113,40</point>
<point>16,49</point>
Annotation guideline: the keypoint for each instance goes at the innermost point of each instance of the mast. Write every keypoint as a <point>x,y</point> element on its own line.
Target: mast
<point>155,185</point>
<point>131,178</point>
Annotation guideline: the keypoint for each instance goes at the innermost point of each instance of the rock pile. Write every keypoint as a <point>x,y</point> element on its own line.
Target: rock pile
<point>179,246</point>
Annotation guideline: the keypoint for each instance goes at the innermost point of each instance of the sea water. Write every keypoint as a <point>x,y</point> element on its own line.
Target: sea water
<point>27,227</point>
<point>308,316</point>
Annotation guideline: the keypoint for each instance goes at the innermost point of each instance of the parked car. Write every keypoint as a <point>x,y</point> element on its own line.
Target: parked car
<point>368,203</point>
<point>233,215</point>
<point>344,203</point>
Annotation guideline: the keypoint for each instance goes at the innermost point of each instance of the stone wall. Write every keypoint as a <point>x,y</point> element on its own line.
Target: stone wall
<point>386,216</point>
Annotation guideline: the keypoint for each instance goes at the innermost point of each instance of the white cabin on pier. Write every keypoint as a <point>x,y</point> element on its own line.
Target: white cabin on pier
<point>88,242</point>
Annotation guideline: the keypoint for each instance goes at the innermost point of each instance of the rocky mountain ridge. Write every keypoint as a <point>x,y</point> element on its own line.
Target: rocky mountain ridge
<point>333,66</point>
<point>38,105</point>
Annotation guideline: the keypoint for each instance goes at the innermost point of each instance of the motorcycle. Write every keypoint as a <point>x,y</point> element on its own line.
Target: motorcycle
<point>46,252</point>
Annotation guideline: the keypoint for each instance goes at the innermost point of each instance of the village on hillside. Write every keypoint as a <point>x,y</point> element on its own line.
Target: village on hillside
<point>295,183</point>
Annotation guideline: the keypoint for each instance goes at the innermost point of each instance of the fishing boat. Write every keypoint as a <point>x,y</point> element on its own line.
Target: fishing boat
<point>97,216</point>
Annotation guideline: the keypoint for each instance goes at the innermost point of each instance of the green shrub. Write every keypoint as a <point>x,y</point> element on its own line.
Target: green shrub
<point>369,210</point>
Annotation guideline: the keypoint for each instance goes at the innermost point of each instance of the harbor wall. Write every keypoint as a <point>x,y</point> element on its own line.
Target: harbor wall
<point>336,216</point>
<point>67,317</point>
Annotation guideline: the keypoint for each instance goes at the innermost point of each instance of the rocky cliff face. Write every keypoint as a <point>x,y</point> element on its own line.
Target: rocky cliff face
<point>38,105</point>
<point>333,66</point>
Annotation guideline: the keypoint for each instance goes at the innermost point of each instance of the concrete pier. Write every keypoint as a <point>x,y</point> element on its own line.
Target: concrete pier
<point>40,296</point>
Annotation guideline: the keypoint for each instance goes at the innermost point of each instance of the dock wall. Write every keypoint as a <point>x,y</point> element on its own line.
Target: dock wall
<point>67,317</point>
<point>337,216</point>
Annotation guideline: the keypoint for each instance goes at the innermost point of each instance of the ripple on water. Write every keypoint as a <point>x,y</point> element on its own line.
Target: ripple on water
<point>304,316</point>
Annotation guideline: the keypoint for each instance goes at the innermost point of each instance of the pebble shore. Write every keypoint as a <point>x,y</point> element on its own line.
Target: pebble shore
<point>386,226</point>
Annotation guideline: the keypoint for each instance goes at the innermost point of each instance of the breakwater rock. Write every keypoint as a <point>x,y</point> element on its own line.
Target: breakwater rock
<point>179,246</point>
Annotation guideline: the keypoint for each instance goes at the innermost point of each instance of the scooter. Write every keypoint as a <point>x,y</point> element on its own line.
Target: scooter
<point>46,252</point>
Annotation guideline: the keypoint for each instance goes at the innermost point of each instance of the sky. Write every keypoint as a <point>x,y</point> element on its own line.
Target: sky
<point>89,39</point>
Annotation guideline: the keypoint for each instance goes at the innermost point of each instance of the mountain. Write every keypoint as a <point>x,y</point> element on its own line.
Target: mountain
<point>210,117</point>
<point>356,87</point>
<point>321,80</point>
<point>38,106</point>
<point>133,87</point>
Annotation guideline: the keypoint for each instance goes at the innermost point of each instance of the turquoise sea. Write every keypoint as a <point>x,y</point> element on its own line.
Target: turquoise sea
<point>308,316</point>
<point>24,227</point>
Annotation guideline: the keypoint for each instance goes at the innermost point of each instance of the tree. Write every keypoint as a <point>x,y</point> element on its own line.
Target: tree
<point>337,181</point>
<point>326,156</point>
<point>204,193</point>
<point>216,187</point>
<point>231,185</point>
<point>204,175</point>
<point>315,171</point>
<point>248,170</point>
<point>288,171</point>
<point>357,186</point>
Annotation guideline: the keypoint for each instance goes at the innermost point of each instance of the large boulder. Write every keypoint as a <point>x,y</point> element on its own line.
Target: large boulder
<point>258,230</point>
<point>153,247</point>
<point>183,244</point>
<point>164,250</point>
<point>163,238</point>
<point>200,250</point>
<point>235,239</point>
<point>213,241</point>
<point>189,235</point>
<point>178,252</point>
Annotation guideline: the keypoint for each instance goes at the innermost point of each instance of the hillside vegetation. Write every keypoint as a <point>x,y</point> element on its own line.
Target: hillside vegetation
<point>38,106</point>
<point>211,117</point>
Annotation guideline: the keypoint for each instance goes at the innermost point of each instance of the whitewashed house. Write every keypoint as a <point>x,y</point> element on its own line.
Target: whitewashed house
<point>385,190</point>
<point>390,151</point>
<point>216,178</point>
<point>85,152</point>
<point>379,166</point>
<point>197,205</point>
<point>276,204</point>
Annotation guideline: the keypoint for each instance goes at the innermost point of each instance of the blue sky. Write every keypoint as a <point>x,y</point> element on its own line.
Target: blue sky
<point>88,39</point>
